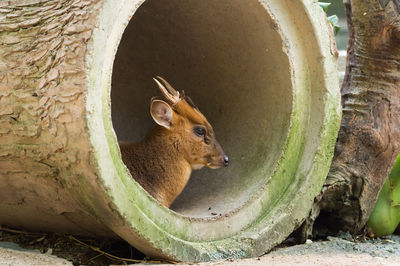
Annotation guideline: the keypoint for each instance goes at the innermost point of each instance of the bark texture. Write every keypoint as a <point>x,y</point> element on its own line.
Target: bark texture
<point>368,141</point>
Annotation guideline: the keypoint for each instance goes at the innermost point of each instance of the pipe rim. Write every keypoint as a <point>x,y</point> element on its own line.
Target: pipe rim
<point>168,231</point>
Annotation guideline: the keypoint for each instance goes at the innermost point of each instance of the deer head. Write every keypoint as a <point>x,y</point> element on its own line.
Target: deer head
<point>194,136</point>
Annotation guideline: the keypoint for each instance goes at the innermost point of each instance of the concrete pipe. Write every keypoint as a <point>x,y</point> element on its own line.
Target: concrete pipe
<point>76,77</point>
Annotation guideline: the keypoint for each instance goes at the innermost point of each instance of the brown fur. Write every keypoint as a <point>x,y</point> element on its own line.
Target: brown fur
<point>162,163</point>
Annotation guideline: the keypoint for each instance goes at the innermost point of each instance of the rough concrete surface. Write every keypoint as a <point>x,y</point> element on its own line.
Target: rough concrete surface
<point>271,65</point>
<point>334,251</point>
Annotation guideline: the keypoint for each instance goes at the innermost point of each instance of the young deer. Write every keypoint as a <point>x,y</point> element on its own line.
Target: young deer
<point>183,140</point>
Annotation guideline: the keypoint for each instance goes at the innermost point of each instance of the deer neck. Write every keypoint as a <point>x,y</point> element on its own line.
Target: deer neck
<point>165,167</point>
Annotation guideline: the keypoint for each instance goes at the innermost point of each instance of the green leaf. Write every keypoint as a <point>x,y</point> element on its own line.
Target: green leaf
<point>385,217</point>
<point>324,5</point>
<point>334,20</point>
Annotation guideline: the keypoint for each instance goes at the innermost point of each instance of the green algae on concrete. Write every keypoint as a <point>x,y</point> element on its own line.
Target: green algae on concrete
<point>280,202</point>
<point>271,94</point>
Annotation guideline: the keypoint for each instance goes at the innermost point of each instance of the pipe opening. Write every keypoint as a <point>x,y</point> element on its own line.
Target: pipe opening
<point>229,58</point>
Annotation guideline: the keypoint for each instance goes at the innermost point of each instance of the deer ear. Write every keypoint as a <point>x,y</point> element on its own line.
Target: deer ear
<point>161,113</point>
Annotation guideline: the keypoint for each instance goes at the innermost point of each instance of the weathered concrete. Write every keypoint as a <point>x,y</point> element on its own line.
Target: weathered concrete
<point>264,72</point>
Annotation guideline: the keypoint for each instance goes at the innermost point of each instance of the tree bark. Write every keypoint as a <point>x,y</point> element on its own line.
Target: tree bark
<point>368,141</point>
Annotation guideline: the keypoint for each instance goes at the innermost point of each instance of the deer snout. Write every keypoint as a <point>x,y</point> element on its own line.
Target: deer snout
<point>222,159</point>
<point>226,161</point>
<point>218,161</point>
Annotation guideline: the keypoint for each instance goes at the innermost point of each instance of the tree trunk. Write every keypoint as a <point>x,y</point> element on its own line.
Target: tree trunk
<point>368,141</point>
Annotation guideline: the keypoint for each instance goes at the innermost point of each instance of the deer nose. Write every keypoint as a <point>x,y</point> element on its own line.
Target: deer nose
<point>226,161</point>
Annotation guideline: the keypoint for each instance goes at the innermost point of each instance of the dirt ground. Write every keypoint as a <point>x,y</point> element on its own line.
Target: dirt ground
<point>342,250</point>
<point>11,254</point>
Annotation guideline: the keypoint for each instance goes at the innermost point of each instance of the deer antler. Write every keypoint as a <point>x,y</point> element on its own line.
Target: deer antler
<point>169,93</point>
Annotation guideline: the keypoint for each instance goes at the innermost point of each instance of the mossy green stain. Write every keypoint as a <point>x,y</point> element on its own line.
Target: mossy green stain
<point>161,231</point>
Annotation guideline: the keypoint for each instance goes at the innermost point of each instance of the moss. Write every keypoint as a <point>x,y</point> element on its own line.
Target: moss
<point>275,209</point>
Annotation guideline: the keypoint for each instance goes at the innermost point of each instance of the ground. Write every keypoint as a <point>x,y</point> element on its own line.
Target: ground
<point>342,250</point>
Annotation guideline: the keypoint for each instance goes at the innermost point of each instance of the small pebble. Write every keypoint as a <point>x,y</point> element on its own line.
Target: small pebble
<point>49,251</point>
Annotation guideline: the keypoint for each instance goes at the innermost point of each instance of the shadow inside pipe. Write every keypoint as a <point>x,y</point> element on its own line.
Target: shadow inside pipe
<point>228,57</point>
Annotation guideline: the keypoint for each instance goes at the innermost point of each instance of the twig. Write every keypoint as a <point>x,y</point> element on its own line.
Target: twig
<point>116,257</point>
<point>19,231</point>
<point>95,257</point>
<point>15,231</point>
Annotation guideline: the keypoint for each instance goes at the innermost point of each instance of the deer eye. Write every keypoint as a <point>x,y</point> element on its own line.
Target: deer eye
<point>199,131</point>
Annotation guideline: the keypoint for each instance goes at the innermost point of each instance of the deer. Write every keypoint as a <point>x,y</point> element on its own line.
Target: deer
<point>182,140</point>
